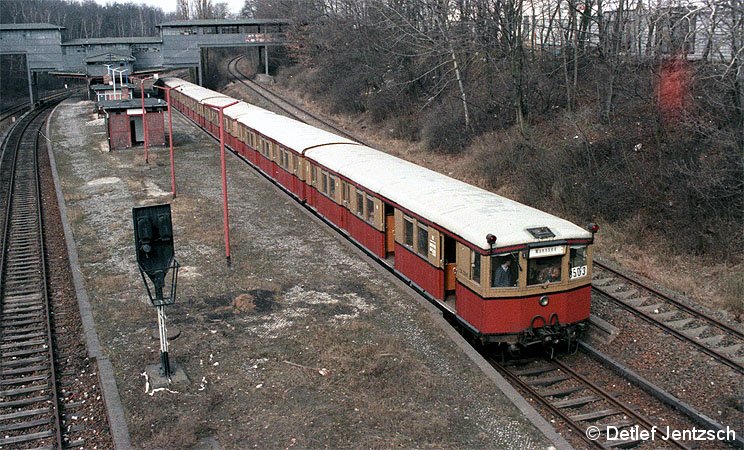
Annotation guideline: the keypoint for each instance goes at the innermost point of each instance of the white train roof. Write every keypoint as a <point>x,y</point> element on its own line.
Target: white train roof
<point>291,133</point>
<point>465,210</point>
<point>198,93</point>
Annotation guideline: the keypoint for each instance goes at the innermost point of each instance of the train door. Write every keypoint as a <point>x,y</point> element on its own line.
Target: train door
<point>450,263</point>
<point>389,230</point>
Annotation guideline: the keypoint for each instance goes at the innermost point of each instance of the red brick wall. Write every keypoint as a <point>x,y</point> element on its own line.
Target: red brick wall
<point>119,131</point>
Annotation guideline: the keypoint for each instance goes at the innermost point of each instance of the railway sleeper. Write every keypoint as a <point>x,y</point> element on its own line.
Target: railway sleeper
<point>679,324</point>
<point>563,391</point>
<point>576,402</point>
<point>25,425</point>
<point>651,309</point>
<point>696,332</point>
<point>535,371</point>
<point>22,370</point>
<point>665,316</point>
<point>26,390</point>
<point>712,341</point>
<point>26,438</point>
<point>731,349</point>
<point>22,335</point>
<point>25,308</point>
<point>22,380</point>
<point>22,362</point>
<point>548,381</point>
<point>32,351</point>
<point>23,414</point>
<point>595,415</point>
<point>602,281</point>
<point>21,298</point>
<point>627,295</point>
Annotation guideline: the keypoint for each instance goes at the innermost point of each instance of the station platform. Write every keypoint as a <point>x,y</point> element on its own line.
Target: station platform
<point>301,342</point>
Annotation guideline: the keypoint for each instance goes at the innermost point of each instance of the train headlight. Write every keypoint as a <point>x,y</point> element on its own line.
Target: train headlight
<point>544,300</point>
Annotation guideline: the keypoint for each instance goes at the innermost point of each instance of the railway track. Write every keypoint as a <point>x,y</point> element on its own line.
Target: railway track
<point>30,415</point>
<point>12,110</point>
<point>707,334</point>
<point>291,109</point>
<point>584,406</point>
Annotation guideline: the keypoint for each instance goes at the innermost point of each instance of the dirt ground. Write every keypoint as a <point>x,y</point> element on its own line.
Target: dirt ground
<point>300,343</point>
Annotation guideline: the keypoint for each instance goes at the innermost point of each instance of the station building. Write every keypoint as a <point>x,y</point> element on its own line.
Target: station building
<point>125,126</point>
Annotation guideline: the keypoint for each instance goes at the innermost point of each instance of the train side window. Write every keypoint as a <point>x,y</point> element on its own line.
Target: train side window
<point>332,187</point>
<point>314,176</point>
<point>296,163</point>
<point>579,265</point>
<point>543,270</point>
<point>360,203</point>
<point>370,209</point>
<point>346,192</point>
<point>423,240</point>
<point>408,231</point>
<point>504,270</point>
<point>475,266</point>
<point>324,182</point>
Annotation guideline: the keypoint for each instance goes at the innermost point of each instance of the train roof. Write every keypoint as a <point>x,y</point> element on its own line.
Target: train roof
<point>465,210</point>
<point>291,133</point>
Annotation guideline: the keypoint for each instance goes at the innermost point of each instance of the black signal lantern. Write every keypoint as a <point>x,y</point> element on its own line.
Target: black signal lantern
<point>153,242</point>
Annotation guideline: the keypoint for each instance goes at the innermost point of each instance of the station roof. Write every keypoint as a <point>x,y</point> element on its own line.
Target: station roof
<point>29,26</point>
<point>114,40</point>
<point>109,57</point>
<point>222,22</point>
<point>132,103</point>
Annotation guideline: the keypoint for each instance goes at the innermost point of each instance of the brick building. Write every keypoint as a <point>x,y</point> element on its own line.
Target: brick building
<point>124,122</point>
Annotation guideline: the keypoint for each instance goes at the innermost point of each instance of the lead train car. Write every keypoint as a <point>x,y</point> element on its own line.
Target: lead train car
<point>508,273</point>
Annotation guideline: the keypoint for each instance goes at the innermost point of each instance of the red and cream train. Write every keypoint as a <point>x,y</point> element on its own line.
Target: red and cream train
<point>508,273</point>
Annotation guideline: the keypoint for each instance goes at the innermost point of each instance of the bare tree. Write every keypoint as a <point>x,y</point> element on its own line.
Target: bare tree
<point>182,9</point>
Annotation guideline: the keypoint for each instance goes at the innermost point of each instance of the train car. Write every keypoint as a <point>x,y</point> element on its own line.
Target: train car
<point>509,274</point>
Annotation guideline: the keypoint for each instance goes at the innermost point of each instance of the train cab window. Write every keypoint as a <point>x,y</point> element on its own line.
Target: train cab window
<point>579,266</point>
<point>475,266</point>
<point>360,203</point>
<point>370,209</point>
<point>504,270</point>
<point>543,270</point>
<point>408,231</point>
<point>422,246</point>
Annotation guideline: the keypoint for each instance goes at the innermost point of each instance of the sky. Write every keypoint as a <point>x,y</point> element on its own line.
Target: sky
<point>170,5</point>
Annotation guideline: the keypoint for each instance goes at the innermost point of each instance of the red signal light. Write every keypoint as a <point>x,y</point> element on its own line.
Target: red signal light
<point>593,227</point>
